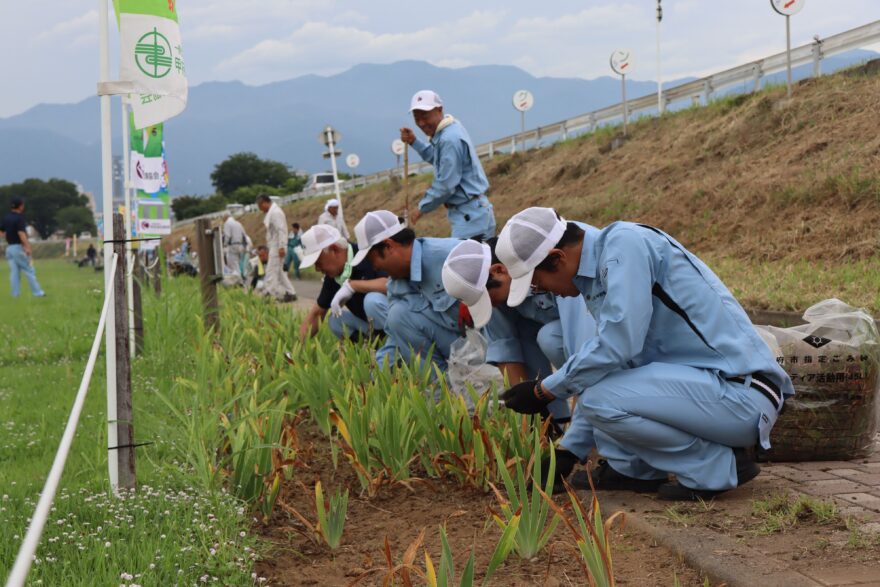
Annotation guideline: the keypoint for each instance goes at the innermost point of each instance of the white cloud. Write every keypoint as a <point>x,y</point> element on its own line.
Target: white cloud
<point>321,47</point>
<point>209,32</point>
<point>70,28</point>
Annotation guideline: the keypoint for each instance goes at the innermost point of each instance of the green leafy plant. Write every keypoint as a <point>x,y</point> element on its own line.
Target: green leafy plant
<point>524,501</point>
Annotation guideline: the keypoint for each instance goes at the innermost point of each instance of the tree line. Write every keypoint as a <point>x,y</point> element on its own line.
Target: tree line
<point>51,206</point>
<point>239,179</point>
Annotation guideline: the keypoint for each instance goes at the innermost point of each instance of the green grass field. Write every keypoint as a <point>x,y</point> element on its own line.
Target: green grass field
<point>172,532</point>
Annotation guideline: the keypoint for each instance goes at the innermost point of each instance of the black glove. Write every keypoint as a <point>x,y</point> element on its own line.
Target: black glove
<point>521,398</point>
<point>565,462</point>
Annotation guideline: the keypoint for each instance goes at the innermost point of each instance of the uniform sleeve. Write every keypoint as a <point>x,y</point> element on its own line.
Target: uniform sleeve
<point>447,175</point>
<point>503,339</point>
<point>626,272</point>
<point>424,149</point>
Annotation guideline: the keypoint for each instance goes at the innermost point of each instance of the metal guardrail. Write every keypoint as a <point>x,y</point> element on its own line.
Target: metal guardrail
<point>701,89</point>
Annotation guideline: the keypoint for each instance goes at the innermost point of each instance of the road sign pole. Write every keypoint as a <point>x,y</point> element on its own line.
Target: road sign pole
<point>332,147</point>
<point>788,51</point>
<point>625,109</point>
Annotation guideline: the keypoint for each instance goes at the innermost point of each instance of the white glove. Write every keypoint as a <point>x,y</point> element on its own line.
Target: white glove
<point>341,298</point>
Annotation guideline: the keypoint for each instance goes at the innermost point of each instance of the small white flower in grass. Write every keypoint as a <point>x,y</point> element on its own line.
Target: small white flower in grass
<point>242,533</point>
<point>126,576</point>
<point>152,566</point>
<point>203,578</point>
<point>107,544</point>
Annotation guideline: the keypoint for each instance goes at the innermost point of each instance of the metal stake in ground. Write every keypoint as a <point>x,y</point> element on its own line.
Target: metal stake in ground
<point>137,308</point>
<point>621,64</point>
<point>124,448</point>
<point>788,8</point>
<point>207,274</point>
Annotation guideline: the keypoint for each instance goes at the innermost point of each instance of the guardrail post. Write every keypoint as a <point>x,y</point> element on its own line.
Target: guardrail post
<point>564,133</point>
<point>708,91</point>
<point>124,421</point>
<point>758,74</point>
<point>591,121</point>
<point>513,144</point>
<point>205,244</point>
<point>491,150</point>
<point>817,56</point>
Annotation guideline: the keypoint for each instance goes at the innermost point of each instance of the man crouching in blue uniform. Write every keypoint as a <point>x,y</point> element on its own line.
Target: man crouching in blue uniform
<point>675,381</point>
<point>422,317</point>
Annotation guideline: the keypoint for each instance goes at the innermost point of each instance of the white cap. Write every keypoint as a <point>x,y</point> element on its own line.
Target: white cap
<point>524,242</point>
<point>374,228</point>
<point>315,240</point>
<point>465,273</point>
<point>331,203</point>
<point>425,100</point>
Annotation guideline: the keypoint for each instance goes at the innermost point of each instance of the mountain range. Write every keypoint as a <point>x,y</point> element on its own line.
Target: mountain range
<point>282,120</point>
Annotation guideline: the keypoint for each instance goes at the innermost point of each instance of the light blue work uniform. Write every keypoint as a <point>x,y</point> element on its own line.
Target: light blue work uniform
<point>376,309</point>
<point>655,383</point>
<point>421,314</point>
<point>533,334</point>
<point>460,183</point>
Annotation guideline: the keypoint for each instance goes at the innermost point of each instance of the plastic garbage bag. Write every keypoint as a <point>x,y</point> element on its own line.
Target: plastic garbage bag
<point>467,368</point>
<point>833,361</point>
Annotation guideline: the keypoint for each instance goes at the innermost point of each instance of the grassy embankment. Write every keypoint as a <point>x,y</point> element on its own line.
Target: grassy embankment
<point>782,199</point>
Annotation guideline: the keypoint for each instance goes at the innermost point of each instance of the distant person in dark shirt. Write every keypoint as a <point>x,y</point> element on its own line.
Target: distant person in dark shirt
<point>91,254</point>
<point>353,294</point>
<point>18,253</point>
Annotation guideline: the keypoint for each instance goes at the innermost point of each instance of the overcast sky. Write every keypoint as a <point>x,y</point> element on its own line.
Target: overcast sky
<point>50,47</point>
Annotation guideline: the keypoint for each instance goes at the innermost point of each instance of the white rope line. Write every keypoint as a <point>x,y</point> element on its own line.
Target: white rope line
<point>32,539</point>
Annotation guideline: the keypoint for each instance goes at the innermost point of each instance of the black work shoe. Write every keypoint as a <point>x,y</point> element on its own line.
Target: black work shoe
<point>605,477</point>
<point>746,470</point>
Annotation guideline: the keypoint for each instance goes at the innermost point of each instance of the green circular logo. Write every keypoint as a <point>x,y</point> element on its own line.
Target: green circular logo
<point>152,53</point>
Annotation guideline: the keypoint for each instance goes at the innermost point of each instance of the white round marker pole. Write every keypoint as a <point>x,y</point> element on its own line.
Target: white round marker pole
<point>523,100</point>
<point>787,8</point>
<point>621,64</point>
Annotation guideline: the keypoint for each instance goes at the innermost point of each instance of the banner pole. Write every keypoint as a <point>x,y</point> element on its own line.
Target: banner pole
<point>107,200</point>
<point>126,189</point>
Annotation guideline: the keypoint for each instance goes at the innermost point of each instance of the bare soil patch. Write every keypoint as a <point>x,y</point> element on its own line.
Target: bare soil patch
<point>400,515</point>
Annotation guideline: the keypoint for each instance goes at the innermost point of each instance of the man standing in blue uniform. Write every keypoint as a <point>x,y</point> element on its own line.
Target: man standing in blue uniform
<point>460,183</point>
<point>523,341</point>
<point>421,316</point>
<point>675,381</point>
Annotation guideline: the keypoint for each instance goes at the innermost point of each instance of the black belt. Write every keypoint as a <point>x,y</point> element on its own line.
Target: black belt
<point>765,387</point>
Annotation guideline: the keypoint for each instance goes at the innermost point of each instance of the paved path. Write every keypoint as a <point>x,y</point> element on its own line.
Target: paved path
<point>853,485</point>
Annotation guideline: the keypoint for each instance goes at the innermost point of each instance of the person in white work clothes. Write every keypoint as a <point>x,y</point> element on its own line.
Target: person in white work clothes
<point>332,217</point>
<point>236,243</point>
<point>277,284</point>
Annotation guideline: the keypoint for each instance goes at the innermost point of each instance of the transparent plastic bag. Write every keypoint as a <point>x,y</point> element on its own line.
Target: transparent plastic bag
<point>467,368</point>
<point>833,361</point>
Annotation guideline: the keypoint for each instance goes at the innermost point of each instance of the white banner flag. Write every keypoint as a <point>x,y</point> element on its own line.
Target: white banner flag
<point>151,59</point>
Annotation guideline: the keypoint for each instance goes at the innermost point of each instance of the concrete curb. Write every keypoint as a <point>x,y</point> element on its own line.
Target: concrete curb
<point>721,558</point>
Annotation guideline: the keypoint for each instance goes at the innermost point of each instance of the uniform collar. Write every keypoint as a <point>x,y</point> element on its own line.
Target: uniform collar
<point>415,263</point>
<point>588,264</point>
